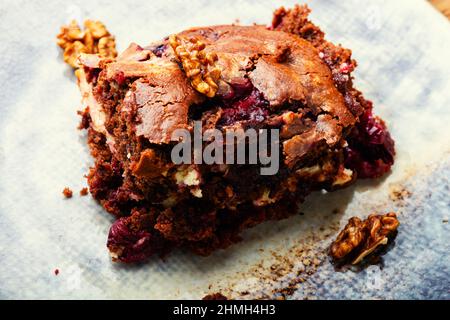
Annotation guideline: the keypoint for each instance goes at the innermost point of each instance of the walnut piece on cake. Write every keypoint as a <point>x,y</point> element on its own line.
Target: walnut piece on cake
<point>198,65</point>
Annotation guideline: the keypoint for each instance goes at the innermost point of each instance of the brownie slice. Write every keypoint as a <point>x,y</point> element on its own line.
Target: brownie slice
<point>286,77</point>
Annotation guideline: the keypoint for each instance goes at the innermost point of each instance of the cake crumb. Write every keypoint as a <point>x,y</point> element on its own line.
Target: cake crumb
<point>399,193</point>
<point>215,296</point>
<point>67,192</point>
<point>83,192</point>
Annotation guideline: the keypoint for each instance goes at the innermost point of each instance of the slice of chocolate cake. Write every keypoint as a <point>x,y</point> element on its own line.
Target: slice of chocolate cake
<point>285,78</point>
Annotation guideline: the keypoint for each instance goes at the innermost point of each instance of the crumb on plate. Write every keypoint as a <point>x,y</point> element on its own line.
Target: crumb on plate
<point>67,192</point>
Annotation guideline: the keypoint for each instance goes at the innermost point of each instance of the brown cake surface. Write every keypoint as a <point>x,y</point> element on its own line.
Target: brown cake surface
<point>286,77</point>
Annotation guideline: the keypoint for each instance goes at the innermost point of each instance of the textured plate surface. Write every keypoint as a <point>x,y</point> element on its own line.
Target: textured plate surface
<point>402,48</point>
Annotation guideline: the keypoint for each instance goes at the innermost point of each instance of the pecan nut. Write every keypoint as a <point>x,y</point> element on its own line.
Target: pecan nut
<point>198,65</point>
<point>359,238</point>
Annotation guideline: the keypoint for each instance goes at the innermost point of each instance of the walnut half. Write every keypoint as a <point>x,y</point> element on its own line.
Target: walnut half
<point>95,38</point>
<point>198,65</point>
<point>359,238</point>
